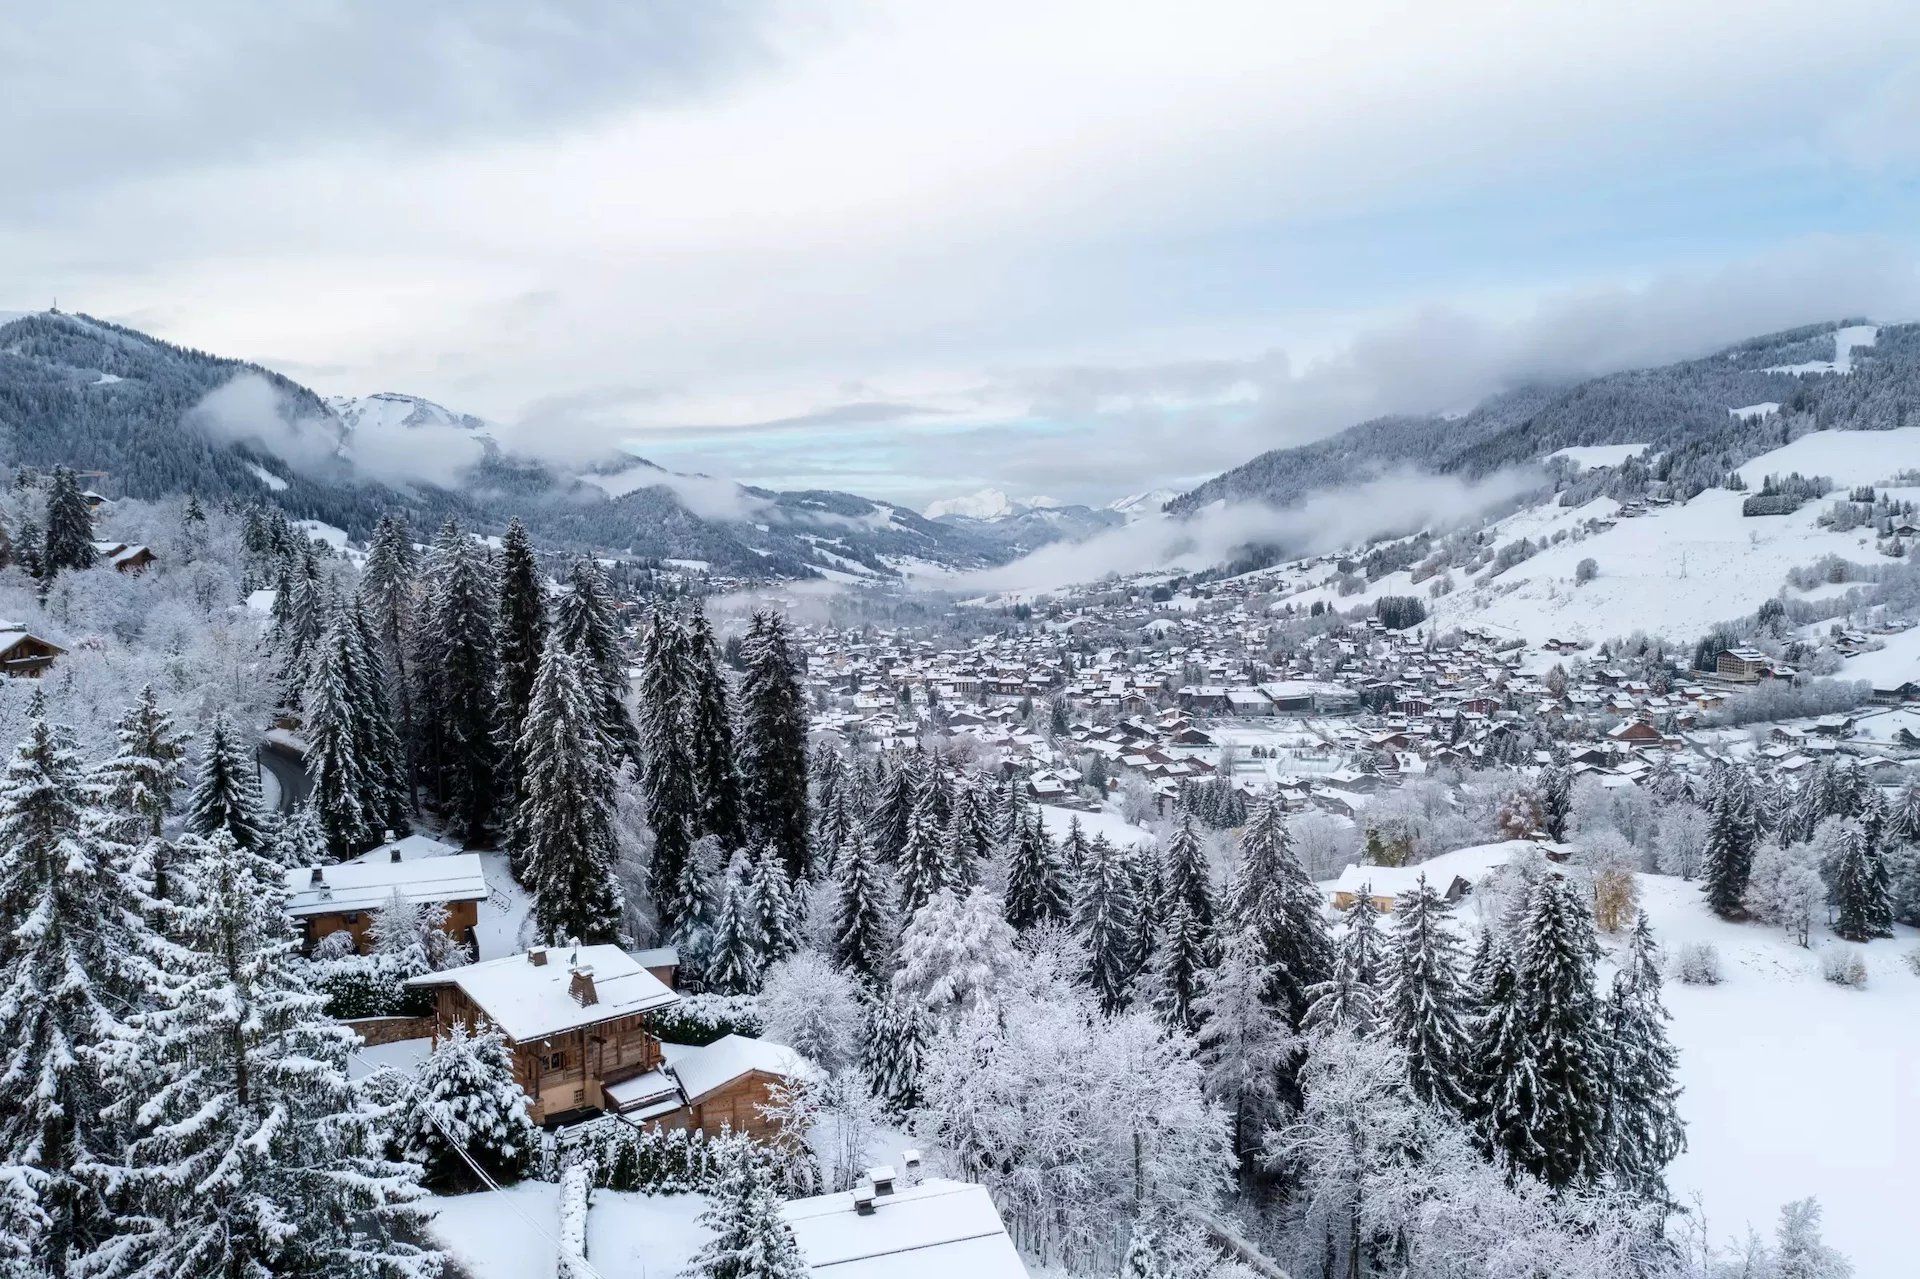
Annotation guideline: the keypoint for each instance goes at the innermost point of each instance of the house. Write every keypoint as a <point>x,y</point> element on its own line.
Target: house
<point>125,557</point>
<point>24,655</point>
<point>345,897</point>
<point>1452,874</point>
<point>577,1021</point>
<point>888,1226</point>
<point>1743,665</point>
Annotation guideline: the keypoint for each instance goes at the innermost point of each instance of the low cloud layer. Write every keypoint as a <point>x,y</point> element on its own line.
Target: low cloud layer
<point>1328,521</point>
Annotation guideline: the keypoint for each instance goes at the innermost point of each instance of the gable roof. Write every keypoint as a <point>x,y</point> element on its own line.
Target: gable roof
<point>938,1229</point>
<point>352,886</point>
<point>703,1070</point>
<point>531,1001</point>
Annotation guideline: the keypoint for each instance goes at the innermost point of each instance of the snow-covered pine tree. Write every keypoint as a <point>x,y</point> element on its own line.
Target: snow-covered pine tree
<point>1548,1117</point>
<point>1862,908</point>
<point>1493,1044</point>
<point>863,914</point>
<point>523,637</point>
<point>739,946</point>
<point>1554,789</point>
<point>666,754</point>
<point>972,829</point>
<point>69,540</point>
<point>137,782</point>
<point>955,952</point>
<point>1036,883</point>
<point>1245,1041</point>
<point>1106,917</point>
<point>566,807</point>
<point>459,704</point>
<point>381,750</point>
<point>1185,876</point>
<point>1425,1005</point>
<point>1730,841</point>
<point>344,795</point>
<point>895,1047</point>
<point>747,1238</point>
<point>1177,967</point>
<point>1904,820</point>
<point>1144,1259</point>
<point>775,907</point>
<point>1272,895</point>
<point>77,957</point>
<point>892,813</point>
<point>1644,1131</point>
<point>1073,855</point>
<point>300,612</point>
<point>1350,998</point>
<point>773,742</point>
<point>390,585</point>
<point>709,701</point>
<point>695,909</point>
<point>832,813</point>
<point>465,1105</point>
<point>584,622</point>
<point>922,870</point>
<point>253,1153</point>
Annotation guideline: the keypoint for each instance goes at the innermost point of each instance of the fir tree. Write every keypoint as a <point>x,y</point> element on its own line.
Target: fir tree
<point>1350,998</point>
<point>694,908</point>
<point>390,586</point>
<point>888,823</point>
<point>523,637</point>
<point>773,742</point>
<point>774,907</point>
<point>747,1237</point>
<point>1493,1048</point>
<point>458,705</point>
<point>1425,1007</point>
<point>1106,918</point>
<point>76,959</point>
<point>863,915</point>
<point>1548,1116</point>
<point>1730,841</point>
<point>1273,896</point>
<point>922,866</point>
<point>566,807</point>
<point>300,622</point>
<point>1644,1131</point>
<point>896,1045</point>
<point>709,718</point>
<point>1178,966</point>
<point>69,539</point>
<point>739,946</point>
<point>383,755</point>
<point>464,1107</point>
<point>1144,1259</point>
<point>251,1150</point>
<point>666,756</point>
<point>1186,877</point>
<point>137,783</point>
<point>1863,910</point>
<point>585,624</point>
<point>1245,1041</point>
<point>344,795</point>
<point>1036,884</point>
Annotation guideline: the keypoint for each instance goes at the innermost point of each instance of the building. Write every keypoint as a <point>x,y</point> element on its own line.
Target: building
<point>345,897</point>
<point>888,1226</point>
<point>24,655</point>
<point>1744,665</point>
<point>125,557</point>
<point>577,1021</point>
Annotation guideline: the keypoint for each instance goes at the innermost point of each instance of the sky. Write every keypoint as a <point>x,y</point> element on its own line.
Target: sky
<point>916,249</point>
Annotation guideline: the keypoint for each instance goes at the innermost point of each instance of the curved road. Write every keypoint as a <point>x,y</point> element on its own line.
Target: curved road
<point>289,770</point>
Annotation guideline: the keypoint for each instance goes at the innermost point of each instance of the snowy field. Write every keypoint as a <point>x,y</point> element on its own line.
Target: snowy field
<point>1897,662</point>
<point>1118,830</point>
<point>510,1234</point>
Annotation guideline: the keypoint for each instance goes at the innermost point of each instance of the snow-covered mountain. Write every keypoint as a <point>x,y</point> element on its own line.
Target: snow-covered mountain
<point>987,504</point>
<point>1135,506</point>
<point>390,410</point>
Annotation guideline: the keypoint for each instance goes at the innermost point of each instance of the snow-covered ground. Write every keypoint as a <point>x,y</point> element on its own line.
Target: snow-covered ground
<point>1106,821</point>
<point>267,477</point>
<point>1893,664</point>
<point>512,1233</point>
<point>1844,342</point>
<point>1591,455</point>
<point>1846,457</point>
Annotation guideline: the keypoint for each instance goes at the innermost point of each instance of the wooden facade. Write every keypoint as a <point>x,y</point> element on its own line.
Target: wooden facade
<point>461,920</point>
<point>738,1105</point>
<point>24,656</point>
<point>564,1073</point>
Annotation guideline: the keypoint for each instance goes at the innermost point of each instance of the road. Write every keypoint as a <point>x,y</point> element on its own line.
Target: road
<point>289,770</point>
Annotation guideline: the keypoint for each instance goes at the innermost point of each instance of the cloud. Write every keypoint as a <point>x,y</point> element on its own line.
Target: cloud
<point>248,409</point>
<point>1395,504</point>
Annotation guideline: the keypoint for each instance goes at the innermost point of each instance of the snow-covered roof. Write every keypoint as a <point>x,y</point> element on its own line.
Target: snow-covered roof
<point>1470,864</point>
<point>532,1001</point>
<point>936,1230</point>
<point>328,890</point>
<point>703,1069</point>
<point>410,847</point>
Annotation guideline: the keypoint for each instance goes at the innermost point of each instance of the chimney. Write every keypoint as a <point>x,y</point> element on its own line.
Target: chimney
<point>911,1160</point>
<point>318,880</point>
<point>882,1179</point>
<point>863,1199</point>
<point>393,854</point>
<point>537,956</point>
<point>387,837</point>
<point>581,986</point>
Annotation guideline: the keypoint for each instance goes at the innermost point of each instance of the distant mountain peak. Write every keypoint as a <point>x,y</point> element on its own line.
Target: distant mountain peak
<point>987,504</point>
<point>1137,506</point>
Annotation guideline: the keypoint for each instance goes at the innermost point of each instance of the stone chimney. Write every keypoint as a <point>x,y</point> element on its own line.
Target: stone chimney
<point>881,1178</point>
<point>863,1199</point>
<point>581,986</point>
<point>536,955</point>
<point>393,854</point>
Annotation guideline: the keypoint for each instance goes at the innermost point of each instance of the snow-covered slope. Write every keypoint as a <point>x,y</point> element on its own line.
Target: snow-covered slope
<point>1845,342</point>
<point>1140,505</point>
<point>1589,455</point>
<point>987,504</point>
<point>390,410</point>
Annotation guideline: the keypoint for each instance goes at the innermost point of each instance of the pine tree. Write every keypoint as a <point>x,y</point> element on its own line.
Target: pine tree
<point>1144,1259</point>
<point>301,605</point>
<point>1554,787</point>
<point>1186,877</point>
<point>566,808</point>
<point>773,742</point>
<point>1106,918</point>
<point>382,751</point>
<point>137,783</point>
<point>523,637</point>
<point>774,907</point>
<point>459,704</point>
<point>739,945</point>
<point>710,732</point>
<point>922,866</point>
<point>1730,841</point>
<point>892,814</point>
<point>1273,896</point>
<point>1863,910</point>
<point>1178,967</point>
<point>896,1045</point>
<point>465,1105</point>
<point>863,927</point>
<point>251,1147</point>
<point>666,756</point>
<point>76,959</point>
<point>1493,1048</point>
<point>1245,1041</point>
<point>69,539</point>
<point>1350,998</point>
<point>390,586</point>
<point>1547,1105</point>
<point>345,795</point>
<point>1036,883</point>
<point>747,1238</point>
<point>1425,1006</point>
<point>584,622</point>
<point>1644,1131</point>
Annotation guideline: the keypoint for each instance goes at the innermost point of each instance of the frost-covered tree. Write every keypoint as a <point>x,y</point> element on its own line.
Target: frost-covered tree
<point>955,955</point>
<point>897,1031</point>
<point>1350,998</point>
<point>390,586</point>
<point>892,812</point>
<point>709,716</point>
<point>746,1236</point>
<point>586,625</point>
<point>1643,1128</point>
<point>666,754</point>
<point>1862,908</point>
<point>1177,967</point>
<point>464,1108</point>
<point>1245,1040</point>
<point>813,1008</point>
<point>773,742</point>
<point>863,915</point>
<point>1731,834</point>
<point>253,1153</point>
<point>226,793</point>
<point>566,808</point>
<point>523,637</point>
<point>69,535</point>
<point>1036,880</point>
<point>77,959</point>
<point>1273,896</point>
<point>1184,873</point>
<point>346,794</point>
<point>459,704</point>
<point>1785,889</point>
<point>1799,1252</point>
<point>739,944</point>
<point>922,870</point>
<point>1425,1005</point>
<point>138,781</point>
<point>775,906</point>
<point>1107,917</point>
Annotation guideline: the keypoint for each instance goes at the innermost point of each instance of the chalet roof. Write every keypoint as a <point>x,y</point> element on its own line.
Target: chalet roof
<point>532,1001</point>
<point>703,1070</point>
<point>937,1230</point>
<point>352,886</point>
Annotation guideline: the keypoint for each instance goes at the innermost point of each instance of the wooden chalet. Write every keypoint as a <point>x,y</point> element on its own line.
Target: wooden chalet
<point>578,1021</point>
<point>346,897</point>
<point>24,655</point>
<point>125,557</point>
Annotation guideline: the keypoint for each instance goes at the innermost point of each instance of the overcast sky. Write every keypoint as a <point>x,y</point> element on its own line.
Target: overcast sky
<point>914,249</point>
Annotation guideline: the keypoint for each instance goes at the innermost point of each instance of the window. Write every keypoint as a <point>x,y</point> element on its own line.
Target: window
<point>556,1060</point>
